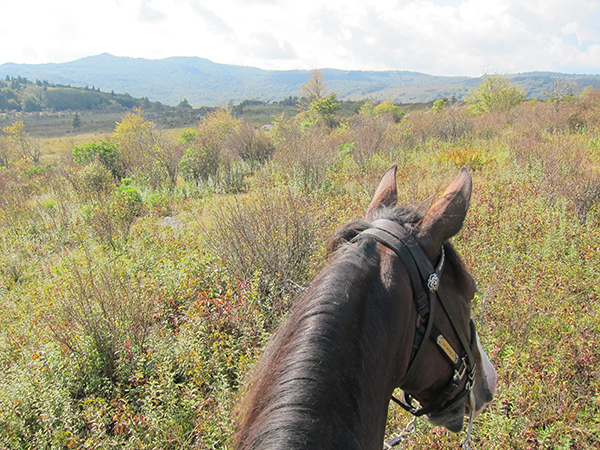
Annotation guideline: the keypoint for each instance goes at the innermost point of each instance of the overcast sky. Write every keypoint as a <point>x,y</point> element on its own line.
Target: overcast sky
<point>439,37</point>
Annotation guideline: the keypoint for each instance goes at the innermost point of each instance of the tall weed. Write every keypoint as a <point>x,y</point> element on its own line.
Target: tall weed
<point>272,237</point>
<point>304,155</point>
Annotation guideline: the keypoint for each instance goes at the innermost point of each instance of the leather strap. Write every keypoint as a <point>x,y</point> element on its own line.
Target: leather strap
<point>424,279</point>
<point>426,270</point>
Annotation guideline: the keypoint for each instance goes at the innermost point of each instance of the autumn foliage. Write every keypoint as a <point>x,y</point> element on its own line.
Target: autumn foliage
<point>141,274</point>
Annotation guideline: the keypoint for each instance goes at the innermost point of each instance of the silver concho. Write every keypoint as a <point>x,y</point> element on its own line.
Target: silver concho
<point>433,283</point>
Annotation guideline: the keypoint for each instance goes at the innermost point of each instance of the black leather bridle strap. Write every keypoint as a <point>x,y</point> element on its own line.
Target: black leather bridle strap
<point>388,234</point>
<point>425,283</point>
<point>426,269</point>
<point>452,315</point>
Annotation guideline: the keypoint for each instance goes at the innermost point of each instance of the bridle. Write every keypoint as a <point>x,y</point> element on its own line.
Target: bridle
<point>427,291</point>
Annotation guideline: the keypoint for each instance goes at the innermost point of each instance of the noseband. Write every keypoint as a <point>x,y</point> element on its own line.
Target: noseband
<point>427,291</point>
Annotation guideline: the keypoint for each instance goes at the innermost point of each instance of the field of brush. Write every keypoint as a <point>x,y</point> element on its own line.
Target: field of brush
<point>141,274</point>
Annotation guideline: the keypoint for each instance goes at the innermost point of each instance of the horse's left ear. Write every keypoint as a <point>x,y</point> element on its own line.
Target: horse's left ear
<point>386,193</point>
<point>445,218</point>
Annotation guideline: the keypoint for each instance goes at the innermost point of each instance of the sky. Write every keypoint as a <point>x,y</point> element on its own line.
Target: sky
<point>437,37</point>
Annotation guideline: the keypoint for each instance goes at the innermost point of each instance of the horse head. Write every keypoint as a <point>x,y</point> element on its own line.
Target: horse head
<point>429,374</point>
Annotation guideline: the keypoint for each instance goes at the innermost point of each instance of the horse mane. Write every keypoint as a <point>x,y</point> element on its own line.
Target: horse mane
<point>302,352</point>
<point>292,384</point>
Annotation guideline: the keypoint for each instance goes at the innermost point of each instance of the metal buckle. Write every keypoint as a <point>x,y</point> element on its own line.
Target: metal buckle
<point>459,375</point>
<point>397,439</point>
<point>471,381</point>
<point>473,371</point>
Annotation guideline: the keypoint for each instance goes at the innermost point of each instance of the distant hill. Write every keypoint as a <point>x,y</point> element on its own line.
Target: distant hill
<point>21,94</point>
<point>203,82</point>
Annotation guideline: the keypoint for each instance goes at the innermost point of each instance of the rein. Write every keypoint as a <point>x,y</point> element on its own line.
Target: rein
<point>427,292</point>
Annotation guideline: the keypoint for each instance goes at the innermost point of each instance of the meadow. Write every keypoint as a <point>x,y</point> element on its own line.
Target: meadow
<point>142,273</point>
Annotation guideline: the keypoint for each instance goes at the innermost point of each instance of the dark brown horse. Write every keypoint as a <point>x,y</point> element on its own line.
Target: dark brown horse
<point>370,323</point>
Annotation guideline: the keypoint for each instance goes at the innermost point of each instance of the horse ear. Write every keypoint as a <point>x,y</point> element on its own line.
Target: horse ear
<point>386,193</point>
<point>445,218</point>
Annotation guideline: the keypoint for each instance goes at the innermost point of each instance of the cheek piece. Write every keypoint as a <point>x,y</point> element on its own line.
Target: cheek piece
<point>425,283</point>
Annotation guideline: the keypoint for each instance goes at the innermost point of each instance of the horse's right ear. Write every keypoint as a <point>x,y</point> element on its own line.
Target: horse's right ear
<point>445,218</point>
<point>386,193</point>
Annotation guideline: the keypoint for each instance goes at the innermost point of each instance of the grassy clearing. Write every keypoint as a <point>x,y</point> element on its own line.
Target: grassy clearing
<point>120,327</point>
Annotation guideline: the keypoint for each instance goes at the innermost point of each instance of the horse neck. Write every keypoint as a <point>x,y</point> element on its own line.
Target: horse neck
<point>333,368</point>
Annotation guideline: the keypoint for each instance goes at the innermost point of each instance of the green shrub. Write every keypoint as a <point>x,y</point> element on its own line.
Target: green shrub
<point>105,152</point>
<point>496,93</point>
<point>202,160</point>
<point>388,108</point>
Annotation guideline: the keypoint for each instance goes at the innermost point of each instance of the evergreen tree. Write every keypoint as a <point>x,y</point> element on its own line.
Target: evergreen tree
<point>76,121</point>
<point>184,104</point>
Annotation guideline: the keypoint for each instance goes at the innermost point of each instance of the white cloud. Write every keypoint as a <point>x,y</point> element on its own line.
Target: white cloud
<point>266,46</point>
<point>149,15</point>
<point>213,20</point>
<point>446,37</point>
<point>582,33</point>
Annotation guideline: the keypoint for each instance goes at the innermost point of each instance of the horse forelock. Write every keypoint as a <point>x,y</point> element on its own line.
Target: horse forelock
<point>408,217</point>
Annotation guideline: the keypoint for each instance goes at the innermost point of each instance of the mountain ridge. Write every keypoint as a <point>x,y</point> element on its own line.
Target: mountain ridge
<point>206,83</point>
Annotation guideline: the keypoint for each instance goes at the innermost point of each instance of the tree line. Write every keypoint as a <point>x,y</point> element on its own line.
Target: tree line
<point>21,94</point>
